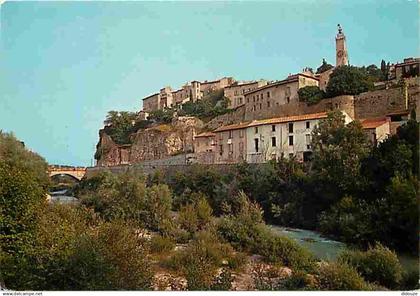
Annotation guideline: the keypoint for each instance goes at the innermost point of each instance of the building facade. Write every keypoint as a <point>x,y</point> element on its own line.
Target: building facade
<point>282,137</point>
<point>231,143</point>
<point>236,92</point>
<point>377,129</point>
<point>284,92</point>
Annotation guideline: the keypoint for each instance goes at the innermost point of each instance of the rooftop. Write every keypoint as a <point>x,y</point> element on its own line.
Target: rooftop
<point>289,79</point>
<point>374,122</point>
<point>205,135</point>
<point>289,119</point>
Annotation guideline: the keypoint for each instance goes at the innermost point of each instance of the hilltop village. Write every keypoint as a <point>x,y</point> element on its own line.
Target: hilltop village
<point>256,121</point>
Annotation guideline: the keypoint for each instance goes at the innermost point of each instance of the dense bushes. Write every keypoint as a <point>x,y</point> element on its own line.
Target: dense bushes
<point>335,276</point>
<point>310,94</point>
<point>377,265</point>
<point>127,197</point>
<point>200,260</point>
<point>73,250</point>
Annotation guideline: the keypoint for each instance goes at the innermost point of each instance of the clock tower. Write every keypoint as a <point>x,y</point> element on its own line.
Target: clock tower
<point>340,48</point>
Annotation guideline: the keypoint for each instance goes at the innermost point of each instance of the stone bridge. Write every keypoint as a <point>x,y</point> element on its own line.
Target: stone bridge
<point>75,172</point>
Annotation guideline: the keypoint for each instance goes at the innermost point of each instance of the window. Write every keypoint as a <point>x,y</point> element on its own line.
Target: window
<point>247,100</point>
<point>241,133</point>
<point>256,129</point>
<point>308,124</point>
<point>221,150</point>
<point>287,100</point>
<point>290,140</point>
<point>268,104</point>
<point>262,96</point>
<point>230,134</point>
<point>308,141</point>
<point>256,145</point>
<point>221,136</point>
<point>273,141</point>
<point>240,101</point>
<point>268,94</point>
<point>273,128</point>
<point>230,148</point>
<point>241,147</point>
<point>253,98</point>
<point>290,128</point>
<point>258,98</point>
<point>255,108</point>
<point>260,106</point>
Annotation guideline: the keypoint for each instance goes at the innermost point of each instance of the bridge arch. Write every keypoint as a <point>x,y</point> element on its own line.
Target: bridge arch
<point>73,176</point>
<point>76,172</point>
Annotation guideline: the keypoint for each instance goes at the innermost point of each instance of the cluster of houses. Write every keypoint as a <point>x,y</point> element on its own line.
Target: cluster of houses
<point>276,124</point>
<point>259,141</point>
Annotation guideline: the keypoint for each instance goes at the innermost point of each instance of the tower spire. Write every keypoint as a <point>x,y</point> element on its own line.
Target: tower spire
<point>340,48</point>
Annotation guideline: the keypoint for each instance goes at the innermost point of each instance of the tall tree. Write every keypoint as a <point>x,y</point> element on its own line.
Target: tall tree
<point>348,80</point>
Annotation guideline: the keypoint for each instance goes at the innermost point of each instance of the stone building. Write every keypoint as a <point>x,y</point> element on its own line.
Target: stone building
<point>409,68</point>
<point>377,129</point>
<point>259,101</point>
<point>236,92</point>
<point>191,91</point>
<point>231,143</point>
<point>282,136</point>
<point>151,103</point>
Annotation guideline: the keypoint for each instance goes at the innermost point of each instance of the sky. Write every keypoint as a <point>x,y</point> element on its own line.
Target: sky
<point>64,65</point>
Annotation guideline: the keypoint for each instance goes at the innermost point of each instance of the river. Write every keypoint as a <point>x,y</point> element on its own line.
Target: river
<point>328,249</point>
<point>62,197</point>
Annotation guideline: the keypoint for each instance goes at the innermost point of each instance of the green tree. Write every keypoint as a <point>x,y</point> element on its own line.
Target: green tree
<point>338,151</point>
<point>119,125</point>
<point>348,80</point>
<point>310,94</point>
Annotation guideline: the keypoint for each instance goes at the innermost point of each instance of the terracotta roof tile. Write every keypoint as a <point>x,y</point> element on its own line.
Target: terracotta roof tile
<point>289,119</point>
<point>374,122</point>
<point>232,127</point>
<point>205,134</point>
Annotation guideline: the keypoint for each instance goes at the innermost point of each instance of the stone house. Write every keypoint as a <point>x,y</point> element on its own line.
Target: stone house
<point>282,136</point>
<point>261,100</point>
<point>236,92</point>
<point>231,143</point>
<point>377,129</point>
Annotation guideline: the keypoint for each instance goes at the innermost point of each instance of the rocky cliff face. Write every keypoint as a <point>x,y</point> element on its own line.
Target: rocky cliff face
<point>156,142</point>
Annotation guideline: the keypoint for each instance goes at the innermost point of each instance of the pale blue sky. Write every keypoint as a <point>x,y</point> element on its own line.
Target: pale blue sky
<point>64,65</point>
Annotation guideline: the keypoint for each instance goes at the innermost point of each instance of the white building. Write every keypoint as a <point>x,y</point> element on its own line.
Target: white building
<point>288,136</point>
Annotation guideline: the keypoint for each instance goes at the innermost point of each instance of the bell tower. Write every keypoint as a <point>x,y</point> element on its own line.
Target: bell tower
<point>340,48</point>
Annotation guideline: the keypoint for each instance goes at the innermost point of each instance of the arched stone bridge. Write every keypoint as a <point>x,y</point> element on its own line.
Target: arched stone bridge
<point>75,172</point>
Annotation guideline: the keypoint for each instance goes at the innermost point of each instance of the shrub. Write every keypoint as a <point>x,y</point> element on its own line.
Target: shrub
<point>379,265</point>
<point>161,244</point>
<point>283,250</point>
<point>200,260</point>
<point>298,280</point>
<point>410,280</point>
<point>196,216</point>
<point>237,261</point>
<point>222,282</point>
<point>336,277</point>
<point>310,94</point>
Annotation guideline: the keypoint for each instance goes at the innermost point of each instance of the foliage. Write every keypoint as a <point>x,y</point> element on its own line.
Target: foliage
<point>348,80</point>
<point>298,280</point>
<point>73,250</point>
<point>195,216</point>
<point>119,125</point>
<point>14,154</point>
<point>338,152</point>
<point>377,265</point>
<point>126,196</point>
<point>211,105</point>
<point>311,94</point>
<point>162,115</point>
<point>161,244</point>
<point>222,282</point>
<point>200,260</point>
<point>237,261</point>
<point>278,249</point>
<point>336,277</point>
<point>324,67</point>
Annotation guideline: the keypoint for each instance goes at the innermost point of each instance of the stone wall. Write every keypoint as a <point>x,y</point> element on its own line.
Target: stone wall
<point>229,118</point>
<point>155,143</point>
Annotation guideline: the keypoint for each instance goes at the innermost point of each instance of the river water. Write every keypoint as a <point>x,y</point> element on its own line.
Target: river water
<point>62,197</point>
<point>327,249</point>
